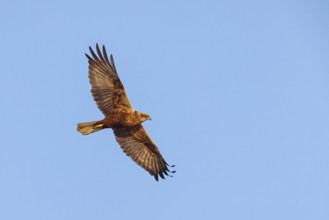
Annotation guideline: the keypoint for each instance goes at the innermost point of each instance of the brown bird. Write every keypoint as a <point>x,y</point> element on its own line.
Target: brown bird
<point>111,99</point>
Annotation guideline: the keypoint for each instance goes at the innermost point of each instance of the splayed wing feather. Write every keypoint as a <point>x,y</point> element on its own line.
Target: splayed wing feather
<point>113,64</point>
<point>99,53</point>
<point>136,143</point>
<point>105,54</point>
<point>107,89</point>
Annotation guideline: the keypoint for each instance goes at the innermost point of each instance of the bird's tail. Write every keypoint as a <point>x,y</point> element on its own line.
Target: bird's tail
<point>86,128</point>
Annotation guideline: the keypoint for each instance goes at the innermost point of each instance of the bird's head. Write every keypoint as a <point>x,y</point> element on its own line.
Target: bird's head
<point>143,116</point>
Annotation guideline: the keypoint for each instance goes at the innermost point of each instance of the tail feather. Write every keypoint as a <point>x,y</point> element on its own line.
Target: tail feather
<point>86,128</point>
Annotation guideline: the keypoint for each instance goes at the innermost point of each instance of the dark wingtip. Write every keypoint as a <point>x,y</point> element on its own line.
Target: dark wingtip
<point>170,165</point>
<point>93,54</point>
<point>165,172</point>
<point>170,170</point>
<point>105,55</point>
<point>89,58</point>
<point>99,53</point>
<point>156,176</point>
<point>112,62</point>
<point>161,175</point>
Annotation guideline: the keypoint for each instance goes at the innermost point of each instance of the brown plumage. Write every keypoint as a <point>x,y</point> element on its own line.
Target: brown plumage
<point>111,99</point>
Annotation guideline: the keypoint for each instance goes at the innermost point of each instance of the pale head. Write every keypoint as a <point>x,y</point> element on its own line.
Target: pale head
<point>142,116</point>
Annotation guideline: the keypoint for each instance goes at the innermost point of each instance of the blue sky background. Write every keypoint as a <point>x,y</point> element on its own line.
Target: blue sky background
<point>237,90</point>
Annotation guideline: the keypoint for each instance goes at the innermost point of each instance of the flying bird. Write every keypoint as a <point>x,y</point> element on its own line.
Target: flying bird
<point>126,123</point>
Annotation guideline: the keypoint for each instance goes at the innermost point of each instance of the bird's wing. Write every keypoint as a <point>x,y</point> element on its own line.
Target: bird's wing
<point>106,87</point>
<point>136,143</point>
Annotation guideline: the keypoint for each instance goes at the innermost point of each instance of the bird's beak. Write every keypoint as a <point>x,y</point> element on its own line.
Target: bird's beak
<point>150,118</point>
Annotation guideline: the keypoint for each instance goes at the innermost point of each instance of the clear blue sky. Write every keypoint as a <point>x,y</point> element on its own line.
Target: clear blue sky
<point>237,90</point>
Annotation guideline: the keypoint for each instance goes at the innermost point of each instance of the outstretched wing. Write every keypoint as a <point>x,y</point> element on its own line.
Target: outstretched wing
<point>106,87</point>
<point>138,145</point>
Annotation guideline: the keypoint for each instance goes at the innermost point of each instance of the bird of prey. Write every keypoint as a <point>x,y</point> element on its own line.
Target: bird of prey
<point>126,123</point>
